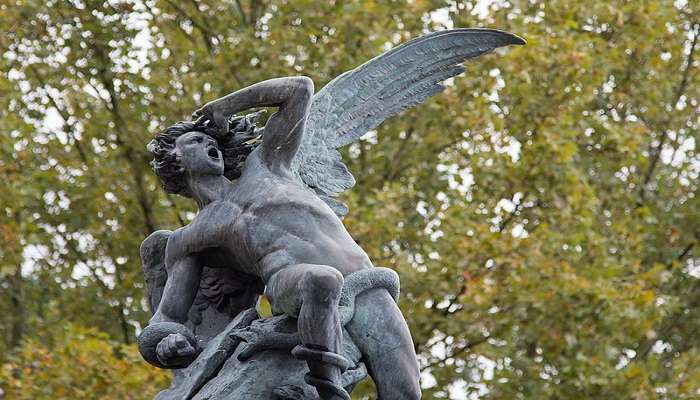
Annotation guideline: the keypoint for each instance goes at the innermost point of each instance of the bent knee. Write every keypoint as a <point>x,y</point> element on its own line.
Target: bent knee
<point>322,284</point>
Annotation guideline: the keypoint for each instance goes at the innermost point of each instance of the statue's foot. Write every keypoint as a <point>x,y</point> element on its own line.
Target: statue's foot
<point>325,367</point>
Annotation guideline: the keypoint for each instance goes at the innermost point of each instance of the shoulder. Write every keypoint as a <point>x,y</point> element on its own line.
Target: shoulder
<point>185,236</point>
<point>214,215</point>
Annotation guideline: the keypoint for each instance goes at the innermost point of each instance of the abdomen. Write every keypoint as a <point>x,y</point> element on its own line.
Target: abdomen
<point>291,232</point>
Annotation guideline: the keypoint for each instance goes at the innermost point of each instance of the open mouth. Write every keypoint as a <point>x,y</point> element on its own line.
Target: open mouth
<point>213,153</point>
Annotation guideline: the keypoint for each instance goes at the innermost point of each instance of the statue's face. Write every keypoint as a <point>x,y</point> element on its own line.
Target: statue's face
<point>199,154</point>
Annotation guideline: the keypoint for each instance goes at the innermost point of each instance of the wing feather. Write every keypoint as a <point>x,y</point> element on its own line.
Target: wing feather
<point>359,100</point>
<point>152,253</point>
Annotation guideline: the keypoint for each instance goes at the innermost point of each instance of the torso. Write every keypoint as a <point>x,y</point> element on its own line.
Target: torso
<point>269,221</point>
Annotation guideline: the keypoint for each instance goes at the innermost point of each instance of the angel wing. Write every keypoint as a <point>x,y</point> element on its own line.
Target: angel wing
<point>152,253</point>
<point>360,99</point>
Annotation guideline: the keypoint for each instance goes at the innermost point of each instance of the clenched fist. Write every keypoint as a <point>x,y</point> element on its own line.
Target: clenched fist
<point>174,349</point>
<point>213,119</point>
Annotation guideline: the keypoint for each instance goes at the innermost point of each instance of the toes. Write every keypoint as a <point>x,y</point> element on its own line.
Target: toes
<point>248,351</point>
<point>245,336</point>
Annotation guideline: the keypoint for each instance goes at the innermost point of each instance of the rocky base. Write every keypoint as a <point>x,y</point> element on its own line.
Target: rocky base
<point>251,359</point>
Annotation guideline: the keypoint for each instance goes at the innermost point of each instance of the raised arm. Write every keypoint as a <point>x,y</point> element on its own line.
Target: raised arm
<point>284,129</point>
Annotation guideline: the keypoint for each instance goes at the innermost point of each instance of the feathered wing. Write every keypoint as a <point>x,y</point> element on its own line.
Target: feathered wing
<point>153,263</point>
<point>359,100</point>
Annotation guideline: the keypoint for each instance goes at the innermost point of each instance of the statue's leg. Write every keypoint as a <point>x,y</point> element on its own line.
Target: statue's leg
<point>380,332</point>
<point>311,293</point>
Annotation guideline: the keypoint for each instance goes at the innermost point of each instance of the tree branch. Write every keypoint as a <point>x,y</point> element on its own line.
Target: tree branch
<point>206,34</point>
<point>455,353</point>
<point>241,12</point>
<point>64,115</point>
<point>392,173</point>
<point>655,152</point>
<point>674,319</point>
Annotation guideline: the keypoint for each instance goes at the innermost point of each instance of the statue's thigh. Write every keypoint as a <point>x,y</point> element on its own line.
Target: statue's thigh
<point>286,288</point>
<point>282,290</point>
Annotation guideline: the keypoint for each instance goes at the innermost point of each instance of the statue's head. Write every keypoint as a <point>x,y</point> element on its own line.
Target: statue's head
<point>187,148</point>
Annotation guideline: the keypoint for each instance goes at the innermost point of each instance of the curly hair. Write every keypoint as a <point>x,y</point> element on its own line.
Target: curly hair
<point>242,138</point>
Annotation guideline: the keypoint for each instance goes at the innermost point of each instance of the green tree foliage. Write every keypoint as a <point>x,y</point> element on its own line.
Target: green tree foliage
<point>543,212</point>
<point>81,364</point>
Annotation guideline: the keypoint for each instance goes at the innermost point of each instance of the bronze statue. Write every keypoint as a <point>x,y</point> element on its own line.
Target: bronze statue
<point>267,212</point>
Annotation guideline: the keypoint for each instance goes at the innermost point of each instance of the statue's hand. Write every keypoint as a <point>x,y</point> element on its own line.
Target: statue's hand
<point>212,118</point>
<point>174,349</point>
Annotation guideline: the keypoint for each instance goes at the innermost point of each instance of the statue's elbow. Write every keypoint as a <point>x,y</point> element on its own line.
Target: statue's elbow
<point>304,86</point>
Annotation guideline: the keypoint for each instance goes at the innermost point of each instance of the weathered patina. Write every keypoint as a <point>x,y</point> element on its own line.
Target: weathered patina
<point>269,222</point>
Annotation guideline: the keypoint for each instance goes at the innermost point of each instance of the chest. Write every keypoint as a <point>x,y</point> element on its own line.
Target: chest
<point>212,227</point>
<point>216,237</point>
